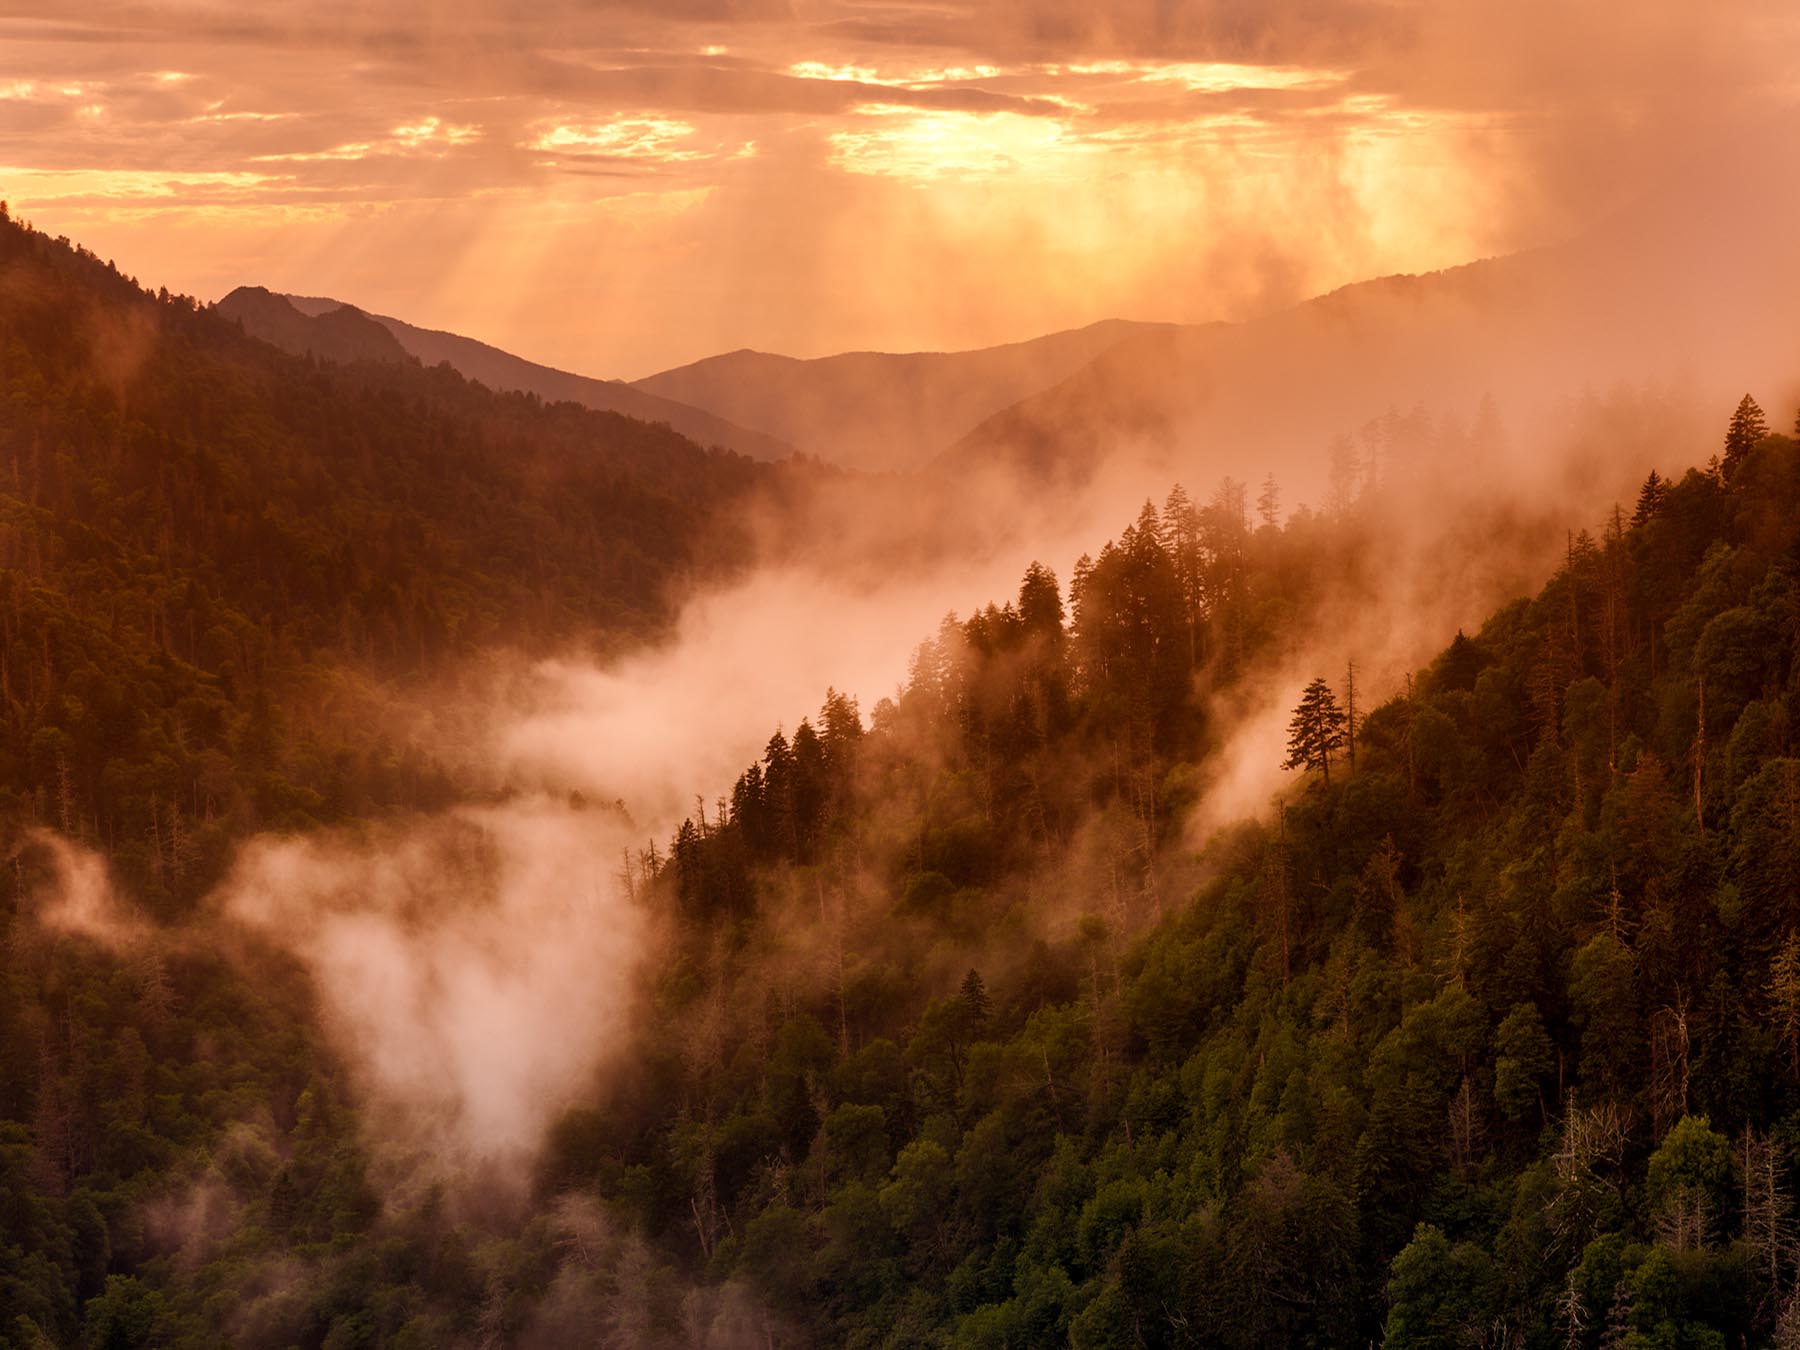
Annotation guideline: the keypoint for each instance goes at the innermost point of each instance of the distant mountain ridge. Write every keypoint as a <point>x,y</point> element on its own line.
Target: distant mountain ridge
<point>344,333</point>
<point>231,533</point>
<point>338,331</point>
<point>884,410</point>
<point>872,411</point>
<point>1694,289</point>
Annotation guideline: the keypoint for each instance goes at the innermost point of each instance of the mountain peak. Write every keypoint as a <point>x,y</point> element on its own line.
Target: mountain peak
<point>343,333</point>
<point>498,369</point>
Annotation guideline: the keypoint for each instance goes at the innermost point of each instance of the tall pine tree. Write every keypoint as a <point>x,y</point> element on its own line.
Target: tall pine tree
<point>1747,428</point>
<point>1317,729</point>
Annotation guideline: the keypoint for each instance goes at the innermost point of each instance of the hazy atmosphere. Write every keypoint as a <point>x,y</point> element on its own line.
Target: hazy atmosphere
<point>874,674</point>
<point>615,188</point>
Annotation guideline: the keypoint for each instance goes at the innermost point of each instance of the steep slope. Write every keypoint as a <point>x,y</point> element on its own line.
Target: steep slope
<point>1695,289</point>
<point>880,410</point>
<point>205,538</point>
<point>1493,1032</point>
<point>1492,1037</point>
<point>504,371</point>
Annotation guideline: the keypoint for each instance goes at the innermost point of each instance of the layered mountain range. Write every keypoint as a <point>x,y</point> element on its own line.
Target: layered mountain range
<point>1635,299</point>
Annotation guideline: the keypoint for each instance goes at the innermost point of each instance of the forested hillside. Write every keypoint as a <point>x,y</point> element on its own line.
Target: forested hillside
<point>215,562</point>
<point>1490,1037</point>
<point>961,1030</point>
<point>204,541</point>
<point>328,328</point>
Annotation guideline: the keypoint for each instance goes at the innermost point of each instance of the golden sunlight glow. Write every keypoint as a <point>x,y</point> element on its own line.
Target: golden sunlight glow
<point>1209,77</point>
<point>1049,162</point>
<point>909,78</point>
<point>629,138</point>
<point>41,187</point>
<point>909,143</point>
<point>954,74</point>
<point>819,70</point>
<point>349,150</point>
<point>212,114</point>
<point>32,89</point>
<point>429,135</point>
<point>431,130</point>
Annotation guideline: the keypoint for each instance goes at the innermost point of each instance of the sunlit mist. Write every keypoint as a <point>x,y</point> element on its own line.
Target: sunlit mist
<point>622,188</point>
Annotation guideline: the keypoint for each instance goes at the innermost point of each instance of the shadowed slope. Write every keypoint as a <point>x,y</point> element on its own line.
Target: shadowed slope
<point>881,410</point>
<point>342,332</point>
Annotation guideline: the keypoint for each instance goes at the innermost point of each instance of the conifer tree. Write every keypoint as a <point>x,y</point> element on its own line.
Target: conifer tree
<point>1651,497</point>
<point>1342,476</point>
<point>1747,428</point>
<point>1316,730</point>
<point>1040,602</point>
<point>974,995</point>
<point>1268,503</point>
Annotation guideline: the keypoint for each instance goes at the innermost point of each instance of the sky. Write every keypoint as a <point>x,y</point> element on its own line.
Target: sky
<point>618,186</point>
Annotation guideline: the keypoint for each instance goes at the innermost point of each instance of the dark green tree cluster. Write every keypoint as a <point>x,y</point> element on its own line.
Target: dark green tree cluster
<point>212,557</point>
<point>210,552</point>
<point>1492,1039</point>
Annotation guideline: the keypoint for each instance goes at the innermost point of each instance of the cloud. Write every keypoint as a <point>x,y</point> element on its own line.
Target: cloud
<point>1185,159</point>
<point>77,896</point>
<point>475,967</point>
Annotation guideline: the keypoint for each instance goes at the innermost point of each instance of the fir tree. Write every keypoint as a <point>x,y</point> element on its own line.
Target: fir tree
<point>1268,502</point>
<point>1317,729</point>
<point>1747,428</point>
<point>974,995</point>
<point>1651,497</point>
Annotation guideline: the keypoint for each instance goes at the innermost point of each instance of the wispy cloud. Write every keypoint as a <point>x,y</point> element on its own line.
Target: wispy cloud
<point>193,139</point>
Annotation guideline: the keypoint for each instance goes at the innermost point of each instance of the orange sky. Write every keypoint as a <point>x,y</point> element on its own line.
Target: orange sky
<point>615,186</point>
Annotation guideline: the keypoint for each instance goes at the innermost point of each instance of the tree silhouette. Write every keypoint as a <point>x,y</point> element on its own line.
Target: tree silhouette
<point>1747,428</point>
<point>1316,730</point>
<point>1268,504</point>
<point>1651,497</point>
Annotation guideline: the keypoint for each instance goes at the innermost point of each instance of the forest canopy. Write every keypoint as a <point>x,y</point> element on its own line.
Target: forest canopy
<point>1487,1033</point>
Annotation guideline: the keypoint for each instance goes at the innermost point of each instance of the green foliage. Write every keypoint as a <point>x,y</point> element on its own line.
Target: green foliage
<point>1492,1038</point>
<point>1431,1060</point>
<point>1524,1055</point>
<point>1440,1294</point>
<point>213,559</point>
<point>1317,730</point>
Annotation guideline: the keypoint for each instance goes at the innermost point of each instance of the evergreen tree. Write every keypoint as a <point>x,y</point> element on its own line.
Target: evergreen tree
<point>1747,428</point>
<point>1268,503</point>
<point>1316,730</point>
<point>1040,602</point>
<point>974,995</point>
<point>1651,497</point>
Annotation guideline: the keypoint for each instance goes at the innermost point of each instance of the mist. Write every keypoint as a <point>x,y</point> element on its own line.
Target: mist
<point>479,967</point>
<point>473,966</point>
<point>658,186</point>
<point>844,864</point>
